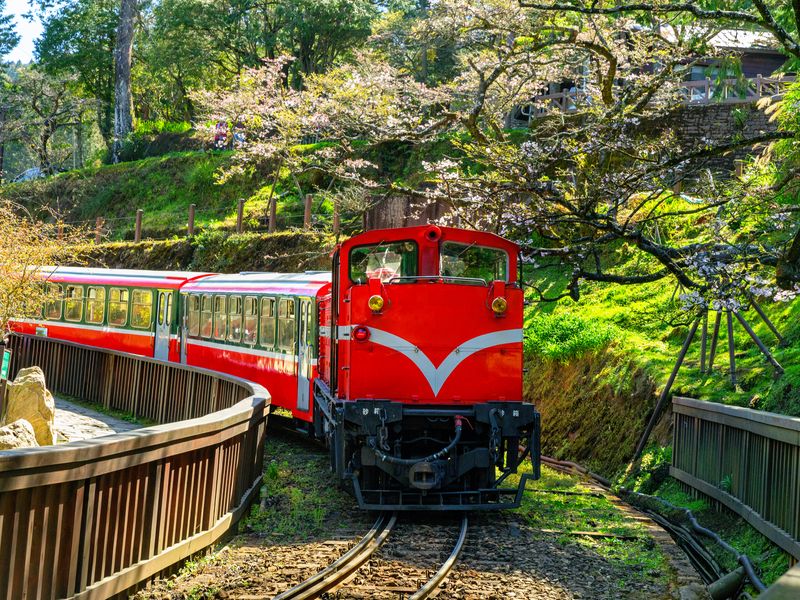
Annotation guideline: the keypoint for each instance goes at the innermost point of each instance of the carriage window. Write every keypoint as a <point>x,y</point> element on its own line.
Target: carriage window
<point>193,316</point>
<point>95,304</point>
<point>250,320</point>
<point>220,317</point>
<point>235,318</point>
<point>286,324</point>
<point>469,260</point>
<point>267,333</point>
<point>206,316</point>
<point>73,304</point>
<point>117,306</point>
<point>52,307</point>
<point>309,326</point>
<point>142,311</point>
<point>383,261</point>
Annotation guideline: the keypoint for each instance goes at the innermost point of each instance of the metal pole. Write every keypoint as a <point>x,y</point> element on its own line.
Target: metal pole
<point>703,343</point>
<point>307,212</point>
<point>662,400</point>
<point>759,343</point>
<point>190,226</point>
<point>731,349</point>
<point>240,216</point>
<point>714,339</point>
<point>137,236</point>
<point>766,320</point>
<point>98,230</point>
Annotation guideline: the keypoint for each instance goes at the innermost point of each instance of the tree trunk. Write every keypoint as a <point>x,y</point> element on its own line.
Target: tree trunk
<point>123,102</point>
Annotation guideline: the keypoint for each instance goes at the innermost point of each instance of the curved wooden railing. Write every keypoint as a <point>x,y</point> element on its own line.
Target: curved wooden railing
<point>94,518</point>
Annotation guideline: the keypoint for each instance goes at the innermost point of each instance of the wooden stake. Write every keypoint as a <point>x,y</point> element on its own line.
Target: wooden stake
<point>190,226</point>
<point>60,230</point>
<point>240,216</point>
<point>98,230</point>
<point>307,212</point>
<point>759,343</point>
<point>714,340</point>
<point>766,320</point>
<point>731,349</point>
<point>703,343</point>
<point>137,235</point>
<point>662,400</point>
<point>738,166</point>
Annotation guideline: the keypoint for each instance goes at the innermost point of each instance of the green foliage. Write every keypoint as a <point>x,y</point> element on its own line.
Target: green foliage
<point>161,126</point>
<point>565,335</point>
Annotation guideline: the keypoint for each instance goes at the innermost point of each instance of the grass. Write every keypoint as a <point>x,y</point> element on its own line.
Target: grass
<point>300,497</point>
<point>633,554</point>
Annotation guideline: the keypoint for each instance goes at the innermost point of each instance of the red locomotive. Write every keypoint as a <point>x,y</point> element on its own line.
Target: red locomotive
<point>406,358</point>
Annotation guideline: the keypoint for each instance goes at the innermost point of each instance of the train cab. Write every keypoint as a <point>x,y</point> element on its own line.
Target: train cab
<point>422,398</point>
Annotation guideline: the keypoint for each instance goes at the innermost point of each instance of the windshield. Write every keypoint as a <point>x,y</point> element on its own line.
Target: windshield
<point>470,261</point>
<point>383,261</point>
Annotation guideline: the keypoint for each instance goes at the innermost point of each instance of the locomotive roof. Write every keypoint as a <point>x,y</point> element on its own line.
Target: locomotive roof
<point>121,277</point>
<point>308,283</point>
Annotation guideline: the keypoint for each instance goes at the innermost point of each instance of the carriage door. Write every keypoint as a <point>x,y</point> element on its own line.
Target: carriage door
<point>163,322</point>
<point>305,352</point>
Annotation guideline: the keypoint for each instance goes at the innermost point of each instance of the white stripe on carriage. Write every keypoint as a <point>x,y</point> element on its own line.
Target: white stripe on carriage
<point>246,350</point>
<point>103,328</point>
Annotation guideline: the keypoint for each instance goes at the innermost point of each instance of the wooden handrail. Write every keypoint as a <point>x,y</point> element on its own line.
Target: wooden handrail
<point>109,513</point>
<point>746,460</point>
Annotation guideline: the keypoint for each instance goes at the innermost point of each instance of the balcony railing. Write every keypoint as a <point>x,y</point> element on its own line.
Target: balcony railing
<point>706,91</point>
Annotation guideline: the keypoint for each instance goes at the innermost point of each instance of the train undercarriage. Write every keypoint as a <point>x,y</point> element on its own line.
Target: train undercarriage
<point>395,456</point>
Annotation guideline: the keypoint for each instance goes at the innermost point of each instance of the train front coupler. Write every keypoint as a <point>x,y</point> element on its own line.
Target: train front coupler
<point>449,456</point>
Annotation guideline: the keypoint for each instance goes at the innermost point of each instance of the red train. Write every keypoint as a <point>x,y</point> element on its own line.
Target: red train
<point>406,357</point>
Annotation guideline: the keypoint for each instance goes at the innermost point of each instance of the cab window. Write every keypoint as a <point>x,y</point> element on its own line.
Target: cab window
<point>476,262</point>
<point>142,310</point>
<point>286,324</point>
<point>95,304</point>
<point>250,320</point>
<point>235,318</point>
<point>73,303</point>
<point>52,307</point>
<point>383,261</point>
<point>118,306</point>
<point>206,316</point>
<point>220,317</point>
<point>267,323</point>
<point>193,315</point>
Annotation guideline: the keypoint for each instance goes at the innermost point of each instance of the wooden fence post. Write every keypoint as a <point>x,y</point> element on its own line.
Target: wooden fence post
<point>98,230</point>
<point>190,226</point>
<point>307,212</point>
<point>240,216</point>
<point>137,236</point>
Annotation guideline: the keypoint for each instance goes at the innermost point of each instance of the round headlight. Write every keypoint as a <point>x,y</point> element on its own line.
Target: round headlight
<point>499,305</point>
<point>375,303</point>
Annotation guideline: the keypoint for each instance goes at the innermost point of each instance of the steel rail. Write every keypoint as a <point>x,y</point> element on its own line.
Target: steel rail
<point>434,582</point>
<point>347,564</point>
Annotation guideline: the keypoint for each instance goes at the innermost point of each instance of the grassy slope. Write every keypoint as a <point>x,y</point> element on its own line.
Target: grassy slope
<point>163,187</point>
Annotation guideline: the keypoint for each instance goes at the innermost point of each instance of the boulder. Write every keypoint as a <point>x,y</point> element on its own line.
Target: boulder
<point>18,434</point>
<point>29,399</point>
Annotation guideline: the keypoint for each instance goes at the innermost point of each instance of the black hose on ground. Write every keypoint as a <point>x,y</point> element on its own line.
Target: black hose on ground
<point>742,559</point>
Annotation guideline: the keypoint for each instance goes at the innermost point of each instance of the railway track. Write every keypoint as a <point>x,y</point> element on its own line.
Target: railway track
<point>345,567</point>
